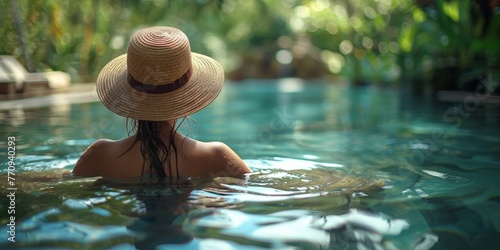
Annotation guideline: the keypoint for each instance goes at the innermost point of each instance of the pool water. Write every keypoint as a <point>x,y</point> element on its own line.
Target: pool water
<point>334,168</point>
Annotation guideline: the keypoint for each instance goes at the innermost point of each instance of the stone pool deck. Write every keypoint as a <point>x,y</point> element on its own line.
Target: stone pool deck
<point>76,93</point>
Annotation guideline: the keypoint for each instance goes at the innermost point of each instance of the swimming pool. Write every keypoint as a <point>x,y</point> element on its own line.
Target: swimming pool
<point>334,168</point>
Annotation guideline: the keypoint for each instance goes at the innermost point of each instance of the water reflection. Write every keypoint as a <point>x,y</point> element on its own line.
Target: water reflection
<point>200,212</point>
<point>162,210</point>
<point>13,117</point>
<point>304,229</point>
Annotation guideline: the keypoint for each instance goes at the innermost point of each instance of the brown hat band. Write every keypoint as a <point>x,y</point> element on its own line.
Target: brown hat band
<point>160,89</point>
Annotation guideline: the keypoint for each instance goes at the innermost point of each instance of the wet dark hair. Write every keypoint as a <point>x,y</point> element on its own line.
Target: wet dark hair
<point>153,149</point>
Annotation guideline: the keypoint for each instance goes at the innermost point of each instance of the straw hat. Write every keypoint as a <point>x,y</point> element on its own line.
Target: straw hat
<point>159,78</point>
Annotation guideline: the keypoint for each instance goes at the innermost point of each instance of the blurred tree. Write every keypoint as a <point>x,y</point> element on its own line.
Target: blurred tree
<point>455,42</point>
<point>369,41</point>
<point>360,38</point>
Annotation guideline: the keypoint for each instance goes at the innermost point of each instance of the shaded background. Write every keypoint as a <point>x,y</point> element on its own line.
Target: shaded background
<point>427,45</point>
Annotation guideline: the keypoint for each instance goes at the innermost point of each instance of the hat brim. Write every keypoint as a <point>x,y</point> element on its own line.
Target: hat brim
<point>121,98</point>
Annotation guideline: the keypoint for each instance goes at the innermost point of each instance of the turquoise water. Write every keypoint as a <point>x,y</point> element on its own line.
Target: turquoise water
<point>334,168</point>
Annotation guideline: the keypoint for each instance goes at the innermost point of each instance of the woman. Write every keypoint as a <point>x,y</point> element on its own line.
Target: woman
<point>156,83</point>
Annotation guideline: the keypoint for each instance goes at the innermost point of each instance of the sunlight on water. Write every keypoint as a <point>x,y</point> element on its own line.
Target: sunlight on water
<point>90,209</point>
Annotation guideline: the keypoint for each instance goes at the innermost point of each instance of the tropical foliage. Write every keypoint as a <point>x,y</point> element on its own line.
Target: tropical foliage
<point>372,41</point>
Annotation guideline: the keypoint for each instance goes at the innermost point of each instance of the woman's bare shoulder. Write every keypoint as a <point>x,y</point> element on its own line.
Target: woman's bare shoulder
<point>92,158</point>
<point>223,160</point>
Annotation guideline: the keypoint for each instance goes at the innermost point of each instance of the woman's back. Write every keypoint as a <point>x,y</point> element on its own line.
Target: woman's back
<point>123,159</point>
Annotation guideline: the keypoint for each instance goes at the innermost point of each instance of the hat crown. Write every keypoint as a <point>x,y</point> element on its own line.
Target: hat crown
<point>158,55</point>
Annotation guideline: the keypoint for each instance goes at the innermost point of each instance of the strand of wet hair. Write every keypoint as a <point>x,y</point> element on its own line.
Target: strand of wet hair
<point>152,146</point>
